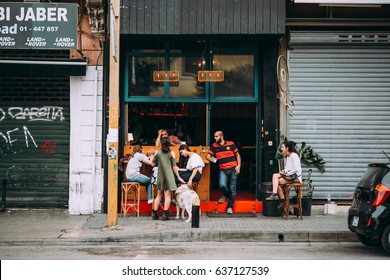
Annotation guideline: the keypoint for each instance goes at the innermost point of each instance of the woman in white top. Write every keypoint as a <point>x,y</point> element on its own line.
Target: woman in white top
<point>190,165</point>
<point>292,168</point>
<point>133,173</point>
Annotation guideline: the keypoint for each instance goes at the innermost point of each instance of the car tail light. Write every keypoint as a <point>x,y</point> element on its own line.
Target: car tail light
<point>383,193</point>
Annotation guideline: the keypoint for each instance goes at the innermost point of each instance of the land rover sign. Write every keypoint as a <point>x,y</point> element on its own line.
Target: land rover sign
<point>38,26</point>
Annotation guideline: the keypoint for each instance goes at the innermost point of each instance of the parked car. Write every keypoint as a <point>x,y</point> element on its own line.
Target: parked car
<point>369,214</point>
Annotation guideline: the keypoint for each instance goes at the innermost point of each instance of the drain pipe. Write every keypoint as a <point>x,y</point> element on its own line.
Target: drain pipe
<point>93,171</point>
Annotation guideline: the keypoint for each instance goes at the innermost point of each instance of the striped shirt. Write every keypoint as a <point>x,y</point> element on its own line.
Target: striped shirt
<point>225,154</point>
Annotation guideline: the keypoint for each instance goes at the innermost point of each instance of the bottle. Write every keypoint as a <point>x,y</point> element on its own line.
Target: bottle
<point>329,198</point>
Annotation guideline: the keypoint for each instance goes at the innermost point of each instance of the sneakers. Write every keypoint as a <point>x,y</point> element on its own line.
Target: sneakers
<point>150,201</point>
<point>273,196</point>
<point>222,199</point>
<point>229,211</point>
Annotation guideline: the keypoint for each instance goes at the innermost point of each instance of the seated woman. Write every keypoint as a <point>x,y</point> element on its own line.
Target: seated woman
<point>190,165</point>
<point>292,172</point>
<point>133,173</point>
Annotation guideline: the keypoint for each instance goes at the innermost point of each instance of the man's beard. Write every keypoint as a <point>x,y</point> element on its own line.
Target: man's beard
<point>219,141</point>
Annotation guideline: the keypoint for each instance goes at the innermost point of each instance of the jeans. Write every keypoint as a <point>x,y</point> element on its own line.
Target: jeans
<point>143,180</point>
<point>228,185</point>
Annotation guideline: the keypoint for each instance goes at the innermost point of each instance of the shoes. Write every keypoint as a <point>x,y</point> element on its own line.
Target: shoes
<point>165,216</point>
<point>222,199</point>
<point>273,196</point>
<point>150,201</point>
<point>229,211</point>
<point>154,215</point>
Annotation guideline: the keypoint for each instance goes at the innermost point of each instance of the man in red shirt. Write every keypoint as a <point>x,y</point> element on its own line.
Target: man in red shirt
<point>229,160</point>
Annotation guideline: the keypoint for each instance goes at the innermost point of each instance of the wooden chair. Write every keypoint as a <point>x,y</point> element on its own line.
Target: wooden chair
<point>134,202</point>
<point>297,204</point>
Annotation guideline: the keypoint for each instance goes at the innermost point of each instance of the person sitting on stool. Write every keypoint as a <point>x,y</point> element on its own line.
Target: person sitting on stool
<point>292,167</point>
<point>190,165</point>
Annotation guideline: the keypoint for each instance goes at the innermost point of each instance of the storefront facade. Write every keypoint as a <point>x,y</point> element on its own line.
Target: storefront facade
<point>50,109</point>
<point>239,38</point>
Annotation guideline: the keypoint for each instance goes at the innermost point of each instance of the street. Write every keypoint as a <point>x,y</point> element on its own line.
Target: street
<point>195,250</point>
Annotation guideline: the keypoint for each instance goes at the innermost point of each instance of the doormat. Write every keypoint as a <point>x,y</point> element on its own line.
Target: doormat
<point>234,215</point>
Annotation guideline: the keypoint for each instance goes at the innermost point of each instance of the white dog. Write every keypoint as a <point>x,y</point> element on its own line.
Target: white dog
<point>184,197</point>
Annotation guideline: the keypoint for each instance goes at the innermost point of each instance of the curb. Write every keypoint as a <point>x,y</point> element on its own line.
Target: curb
<point>195,236</point>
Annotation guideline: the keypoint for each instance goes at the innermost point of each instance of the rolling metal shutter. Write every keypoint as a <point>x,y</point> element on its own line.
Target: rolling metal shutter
<point>34,140</point>
<point>342,109</point>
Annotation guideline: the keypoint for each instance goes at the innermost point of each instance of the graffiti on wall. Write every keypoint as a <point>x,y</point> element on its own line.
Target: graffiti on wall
<point>11,137</point>
<point>16,139</point>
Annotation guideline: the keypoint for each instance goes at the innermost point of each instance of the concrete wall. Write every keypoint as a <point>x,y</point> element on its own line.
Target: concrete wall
<point>86,175</point>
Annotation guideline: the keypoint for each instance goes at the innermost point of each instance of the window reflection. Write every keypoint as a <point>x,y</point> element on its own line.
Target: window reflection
<point>188,85</point>
<point>140,76</point>
<point>239,75</point>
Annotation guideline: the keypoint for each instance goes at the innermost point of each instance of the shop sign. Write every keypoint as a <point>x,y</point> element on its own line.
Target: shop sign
<point>38,26</point>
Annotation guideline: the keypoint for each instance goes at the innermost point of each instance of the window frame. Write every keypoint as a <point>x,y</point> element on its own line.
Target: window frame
<point>209,96</point>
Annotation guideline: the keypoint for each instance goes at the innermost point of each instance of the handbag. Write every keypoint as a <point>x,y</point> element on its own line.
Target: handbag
<point>291,177</point>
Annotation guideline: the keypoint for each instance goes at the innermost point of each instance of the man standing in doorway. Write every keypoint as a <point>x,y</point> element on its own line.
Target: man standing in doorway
<point>229,160</point>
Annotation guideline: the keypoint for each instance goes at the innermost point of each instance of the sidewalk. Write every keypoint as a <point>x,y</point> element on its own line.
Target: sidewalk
<point>57,227</point>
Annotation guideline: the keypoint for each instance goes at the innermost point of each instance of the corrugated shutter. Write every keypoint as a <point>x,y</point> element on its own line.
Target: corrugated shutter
<point>342,109</point>
<point>34,140</point>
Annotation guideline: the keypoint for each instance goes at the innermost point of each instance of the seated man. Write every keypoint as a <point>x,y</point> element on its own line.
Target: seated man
<point>133,173</point>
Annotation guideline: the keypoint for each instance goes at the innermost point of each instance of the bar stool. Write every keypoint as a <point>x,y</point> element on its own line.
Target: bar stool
<point>134,202</point>
<point>297,204</point>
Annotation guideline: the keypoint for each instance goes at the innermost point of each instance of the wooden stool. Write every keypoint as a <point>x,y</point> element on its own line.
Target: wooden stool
<point>134,202</point>
<point>298,204</point>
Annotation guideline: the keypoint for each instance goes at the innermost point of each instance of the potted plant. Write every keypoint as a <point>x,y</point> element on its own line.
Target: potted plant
<point>309,157</point>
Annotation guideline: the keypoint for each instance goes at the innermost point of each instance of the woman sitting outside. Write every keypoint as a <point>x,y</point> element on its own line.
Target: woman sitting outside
<point>190,165</point>
<point>133,173</point>
<point>292,172</point>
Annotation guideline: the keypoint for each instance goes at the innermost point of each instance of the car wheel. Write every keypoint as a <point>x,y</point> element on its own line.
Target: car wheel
<point>386,239</point>
<point>367,241</point>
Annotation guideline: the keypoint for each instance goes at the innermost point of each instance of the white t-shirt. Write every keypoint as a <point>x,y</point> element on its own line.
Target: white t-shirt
<point>195,161</point>
<point>134,164</point>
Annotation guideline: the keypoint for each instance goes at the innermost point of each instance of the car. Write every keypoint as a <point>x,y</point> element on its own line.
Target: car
<point>369,214</point>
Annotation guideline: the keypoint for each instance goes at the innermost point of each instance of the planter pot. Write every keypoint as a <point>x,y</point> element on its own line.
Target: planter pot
<point>270,207</point>
<point>306,205</point>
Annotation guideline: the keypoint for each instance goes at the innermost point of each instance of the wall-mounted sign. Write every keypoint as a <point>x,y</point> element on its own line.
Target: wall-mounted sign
<point>38,26</point>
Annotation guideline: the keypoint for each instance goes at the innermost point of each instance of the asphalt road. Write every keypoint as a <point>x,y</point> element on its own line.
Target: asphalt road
<point>197,251</point>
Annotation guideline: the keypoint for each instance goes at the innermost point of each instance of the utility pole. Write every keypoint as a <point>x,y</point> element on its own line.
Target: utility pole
<point>113,127</point>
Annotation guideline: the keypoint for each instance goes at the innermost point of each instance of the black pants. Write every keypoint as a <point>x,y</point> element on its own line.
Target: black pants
<point>185,175</point>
